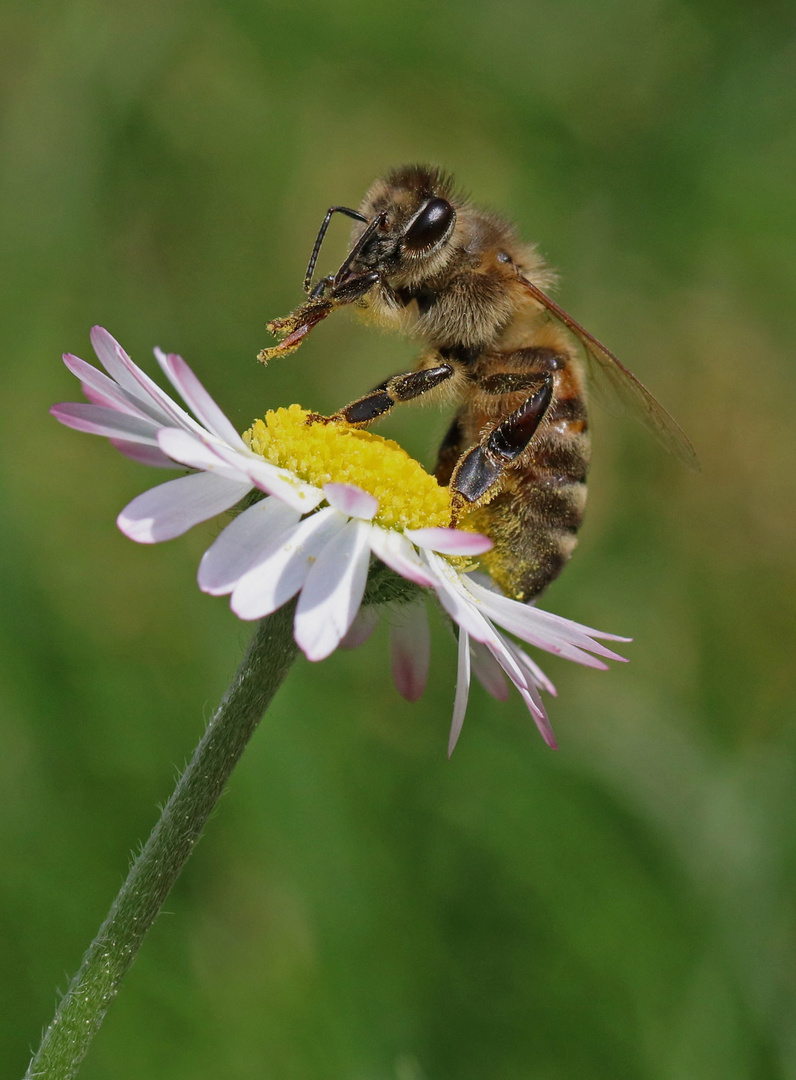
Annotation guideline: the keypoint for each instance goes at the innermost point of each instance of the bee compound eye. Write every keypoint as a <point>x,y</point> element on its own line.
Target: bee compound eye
<point>430,225</point>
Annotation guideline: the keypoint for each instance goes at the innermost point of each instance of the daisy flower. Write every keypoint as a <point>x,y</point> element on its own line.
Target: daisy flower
<point>328,512</point>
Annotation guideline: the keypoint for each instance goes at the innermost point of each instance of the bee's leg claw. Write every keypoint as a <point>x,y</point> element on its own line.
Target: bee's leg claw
<point>459,508</point>
<point>317,418</point>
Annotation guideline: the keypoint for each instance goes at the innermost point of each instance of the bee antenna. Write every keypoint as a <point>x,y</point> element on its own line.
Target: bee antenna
<point>355,214</point>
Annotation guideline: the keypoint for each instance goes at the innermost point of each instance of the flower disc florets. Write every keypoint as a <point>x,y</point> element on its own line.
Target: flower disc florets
<point>323,453</point>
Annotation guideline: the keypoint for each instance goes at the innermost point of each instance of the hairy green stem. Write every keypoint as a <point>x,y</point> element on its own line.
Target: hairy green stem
<point>82,1010</point>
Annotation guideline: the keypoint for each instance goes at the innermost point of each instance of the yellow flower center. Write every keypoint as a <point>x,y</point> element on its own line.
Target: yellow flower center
<point>336,453</point>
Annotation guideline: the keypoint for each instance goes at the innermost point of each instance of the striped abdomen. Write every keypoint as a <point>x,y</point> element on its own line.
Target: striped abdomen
<point>535,517</point>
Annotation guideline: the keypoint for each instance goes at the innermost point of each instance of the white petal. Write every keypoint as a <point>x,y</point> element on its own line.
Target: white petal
<point>107,421</point>
<point>455,599</point>
<point>118,403</point>
<point>284,485</point>
<point>462,691</point>
<point>205,452</point>
<point>141,389</point>
<point>464,610</point>
<point>450,541</point>
<point>108,352</point>
<point>198,453</point>
<point>542,628</point>
<point>173,508</point>
<point>532,669</point>
<point>504,651</point>
<point>361,628</point>
<point>270,478</point>
<point>333,591</point>
<point>231,555</point>
<point>197,398</point>
<point>351,500</point>
<point>395,550</point>
<point>540,718</point>
<point>525,622</point>
<point>144,454</point>
<point>489,672</point>
<point>568,626</point>
<point>99,388</point>
<point>410,649</point>
<point>280,570</point>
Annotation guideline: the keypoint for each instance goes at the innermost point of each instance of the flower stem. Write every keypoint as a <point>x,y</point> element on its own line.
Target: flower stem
<point>82,1010</point>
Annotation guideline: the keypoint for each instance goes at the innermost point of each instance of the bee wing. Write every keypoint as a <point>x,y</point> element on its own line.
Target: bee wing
<point>622,384</point>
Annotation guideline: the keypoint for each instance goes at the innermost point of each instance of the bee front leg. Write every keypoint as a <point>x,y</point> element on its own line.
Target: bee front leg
<point>349,290</point>
<point>482,467</point>
<point>380,400</point>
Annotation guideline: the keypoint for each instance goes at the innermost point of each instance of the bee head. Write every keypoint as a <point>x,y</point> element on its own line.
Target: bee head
<point>402,234</point>
<point>410,218</point>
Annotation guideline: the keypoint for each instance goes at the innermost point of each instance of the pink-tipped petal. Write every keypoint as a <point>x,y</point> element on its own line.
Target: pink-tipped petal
<point>532,669</point>
<point>144,391</point>
<point>501,648</point>
<point>396,552</point>
<point>100,389</point>
<point>455,600</point>
<point>269,478</point>
<point>333,592</point>
<point>540,718</point>
<point>361,628</point>
<point>489,672</point>
<point>199,453</point>
<point>97,397</point>
<point>101,420</point>
<point>576,633</point>
<point>450,541</point>
<point>410,650</point>
<point>197,398</point>
<point>112,357</point>
<point>171,509</point>
<point>283,484</point>
<point>234,551</point>
<point>462,691</point>
<point>569,626</point>
<point>351,500</point>
<point>504,653</point>
<point>532,624</point>
<point>143,454</point>
<point>204,452</point>
<point>533,699</point>
<point>280,570</point>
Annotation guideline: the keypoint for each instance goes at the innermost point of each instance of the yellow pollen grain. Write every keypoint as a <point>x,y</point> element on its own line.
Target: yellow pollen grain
<point>336,453</point>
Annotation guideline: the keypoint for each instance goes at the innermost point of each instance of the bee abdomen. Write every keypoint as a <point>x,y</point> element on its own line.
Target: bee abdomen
<point>535,518</point>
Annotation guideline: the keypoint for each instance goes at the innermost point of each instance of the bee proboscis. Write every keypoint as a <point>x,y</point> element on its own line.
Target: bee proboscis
<point>426,261</point>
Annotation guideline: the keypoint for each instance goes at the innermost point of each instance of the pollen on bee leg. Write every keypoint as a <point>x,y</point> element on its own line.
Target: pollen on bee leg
<point>323,453</point>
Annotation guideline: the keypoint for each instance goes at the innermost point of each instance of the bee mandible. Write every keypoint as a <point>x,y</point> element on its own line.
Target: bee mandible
<point>424,260</point>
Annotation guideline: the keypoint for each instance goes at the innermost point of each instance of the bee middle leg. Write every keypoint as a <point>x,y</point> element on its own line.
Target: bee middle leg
<point>480,468</point>
<point>380,400</point>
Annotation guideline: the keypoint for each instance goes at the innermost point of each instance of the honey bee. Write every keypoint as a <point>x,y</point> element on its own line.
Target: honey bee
<point>426,261</point>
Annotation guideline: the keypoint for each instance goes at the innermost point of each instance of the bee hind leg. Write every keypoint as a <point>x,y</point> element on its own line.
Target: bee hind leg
<point>478,470</point>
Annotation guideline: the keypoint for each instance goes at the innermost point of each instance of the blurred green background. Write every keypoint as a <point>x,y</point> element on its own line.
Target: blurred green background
<point>360,909</point>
